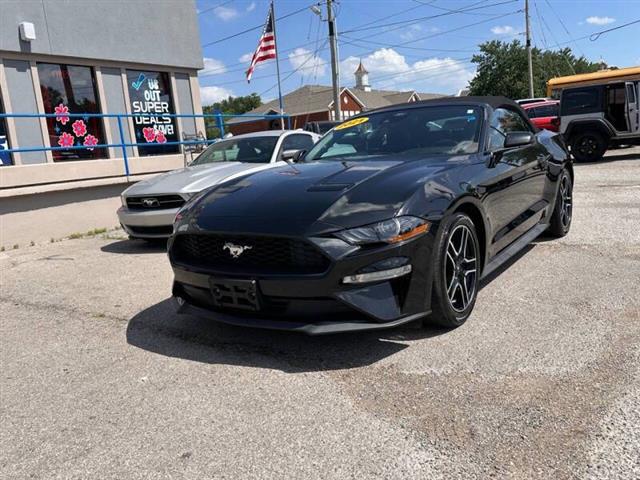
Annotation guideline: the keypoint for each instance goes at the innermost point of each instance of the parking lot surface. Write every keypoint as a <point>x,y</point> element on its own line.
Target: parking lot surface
<point>102,380</point>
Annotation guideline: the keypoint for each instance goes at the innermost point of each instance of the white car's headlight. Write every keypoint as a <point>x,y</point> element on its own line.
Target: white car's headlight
<point>123,199</point>
<point>393,230</point>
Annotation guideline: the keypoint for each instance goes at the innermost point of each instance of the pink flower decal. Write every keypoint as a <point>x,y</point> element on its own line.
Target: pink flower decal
<point>149,134</point>
<point>90,141</point>
<point>160,137</point>
<point>79,128</point>
<point>62,114</point>
<point>65,140</point>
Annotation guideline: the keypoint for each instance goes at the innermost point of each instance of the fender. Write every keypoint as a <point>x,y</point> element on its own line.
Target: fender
<point>593,124</point>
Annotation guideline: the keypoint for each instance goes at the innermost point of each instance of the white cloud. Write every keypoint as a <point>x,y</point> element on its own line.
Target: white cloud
<point>211,65</point>
<point>432,75</point>
<point>225,13</point>
<point>600,20</point>
<point>251,7</point>
<point>306,63</point>
<point>503,30</point>
<point>246,58</point>
<point>212,94</point>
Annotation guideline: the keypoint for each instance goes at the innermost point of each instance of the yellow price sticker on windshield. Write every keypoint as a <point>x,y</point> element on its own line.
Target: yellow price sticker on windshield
<point>352,123</point>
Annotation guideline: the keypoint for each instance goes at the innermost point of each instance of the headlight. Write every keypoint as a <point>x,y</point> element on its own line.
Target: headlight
<point>123,199</point>
<point>389,231</point>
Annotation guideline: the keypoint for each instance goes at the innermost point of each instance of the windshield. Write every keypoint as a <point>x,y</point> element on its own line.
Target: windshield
<point>433,130</point>
<point>247,150</point>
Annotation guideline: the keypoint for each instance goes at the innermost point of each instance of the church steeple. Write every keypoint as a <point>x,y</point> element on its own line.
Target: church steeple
<point>362,78</point>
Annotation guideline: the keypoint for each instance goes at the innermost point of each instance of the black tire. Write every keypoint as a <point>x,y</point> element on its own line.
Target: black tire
<point>449,309</point>
<point>562,215</point>
<point>588,146</point>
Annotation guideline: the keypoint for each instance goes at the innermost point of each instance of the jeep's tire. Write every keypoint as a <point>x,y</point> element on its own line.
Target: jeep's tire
<point>588,146</point>
<point>456,272</point>
<point>563,209</point>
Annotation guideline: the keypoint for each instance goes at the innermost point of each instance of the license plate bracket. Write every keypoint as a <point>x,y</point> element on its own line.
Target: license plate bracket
<point>234,293</point>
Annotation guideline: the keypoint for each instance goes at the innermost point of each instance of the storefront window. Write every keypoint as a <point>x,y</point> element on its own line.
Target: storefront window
<point>71,89</point>
<point>150,96</point>
<point>5,157</point>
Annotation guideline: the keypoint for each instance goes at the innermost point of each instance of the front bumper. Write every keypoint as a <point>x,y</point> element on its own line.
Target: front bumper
<point>320,303</point>
<point>147,223</point>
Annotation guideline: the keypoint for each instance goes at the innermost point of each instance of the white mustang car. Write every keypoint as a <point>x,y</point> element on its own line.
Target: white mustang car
<point>149,207</point>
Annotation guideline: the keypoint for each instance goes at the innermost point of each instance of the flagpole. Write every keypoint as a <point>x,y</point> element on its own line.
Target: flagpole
<point>275,38</point>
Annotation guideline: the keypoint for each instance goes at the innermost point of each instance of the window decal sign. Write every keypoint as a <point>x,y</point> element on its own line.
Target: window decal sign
<point>151,103</point>
<point>69,90</point>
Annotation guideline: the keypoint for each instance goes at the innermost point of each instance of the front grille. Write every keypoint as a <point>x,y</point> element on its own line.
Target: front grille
<point>267,254</point>
<point>155,202</point>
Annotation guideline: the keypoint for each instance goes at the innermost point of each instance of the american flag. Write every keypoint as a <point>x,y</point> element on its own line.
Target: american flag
<point>266,46</point>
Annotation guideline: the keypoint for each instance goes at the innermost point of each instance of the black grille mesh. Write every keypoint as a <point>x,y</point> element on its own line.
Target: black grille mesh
<point>155,202</point>
<point>266,255</point>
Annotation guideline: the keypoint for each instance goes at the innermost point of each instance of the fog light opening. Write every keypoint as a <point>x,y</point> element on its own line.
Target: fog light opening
<point>378,276</point>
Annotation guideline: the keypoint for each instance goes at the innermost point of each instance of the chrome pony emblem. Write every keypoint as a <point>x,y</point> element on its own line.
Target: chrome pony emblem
<point>150,202</point>
<point>236,250</point>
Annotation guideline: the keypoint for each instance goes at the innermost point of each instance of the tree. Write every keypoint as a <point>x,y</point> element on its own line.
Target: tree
<point>502,69</point>
<point>229,106</point>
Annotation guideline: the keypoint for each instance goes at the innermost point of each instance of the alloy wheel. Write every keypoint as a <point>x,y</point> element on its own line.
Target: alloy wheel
<point>461,267</point>
<point>566,205</point>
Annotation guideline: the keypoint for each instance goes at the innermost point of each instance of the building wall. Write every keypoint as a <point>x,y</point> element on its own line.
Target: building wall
<point>115,102</point>
<point>22,98</point>
<point>161,32</point>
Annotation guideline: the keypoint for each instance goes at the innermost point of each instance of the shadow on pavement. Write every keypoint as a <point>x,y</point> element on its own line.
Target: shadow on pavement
<point>160,330</point>
<point>136,246</point>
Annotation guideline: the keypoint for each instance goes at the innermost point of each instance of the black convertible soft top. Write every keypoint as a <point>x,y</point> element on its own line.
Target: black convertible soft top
<point>492,101</point>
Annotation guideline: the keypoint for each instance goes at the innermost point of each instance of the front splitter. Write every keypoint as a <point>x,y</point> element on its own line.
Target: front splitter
<point>316,328</point>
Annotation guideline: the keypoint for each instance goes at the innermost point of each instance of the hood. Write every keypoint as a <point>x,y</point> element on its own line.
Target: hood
<point>194,179</point>
<point>331,194</point>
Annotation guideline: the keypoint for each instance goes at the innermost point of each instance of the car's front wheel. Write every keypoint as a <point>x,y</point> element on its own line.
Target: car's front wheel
<point>456,272</point>
<point>563,210</point>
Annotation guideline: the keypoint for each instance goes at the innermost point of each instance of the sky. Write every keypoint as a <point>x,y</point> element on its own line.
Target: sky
<point>416,45</point>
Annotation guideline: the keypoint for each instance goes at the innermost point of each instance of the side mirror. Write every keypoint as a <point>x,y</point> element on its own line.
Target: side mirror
<point>289,155</point>
<point>518,139</point>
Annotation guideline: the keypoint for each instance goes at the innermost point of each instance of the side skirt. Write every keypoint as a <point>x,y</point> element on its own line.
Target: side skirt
<point>514,248</point>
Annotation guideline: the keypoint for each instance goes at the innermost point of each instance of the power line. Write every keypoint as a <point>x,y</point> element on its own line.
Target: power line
<point>290,14</point>
<point>222,4</point>
<point>595,36</point>
<point>471,7</point>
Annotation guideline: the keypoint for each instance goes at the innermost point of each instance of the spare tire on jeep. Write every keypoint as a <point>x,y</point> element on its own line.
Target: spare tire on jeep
<point>588,145</point>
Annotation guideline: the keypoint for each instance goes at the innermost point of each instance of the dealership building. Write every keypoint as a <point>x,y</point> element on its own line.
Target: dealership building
<point>95,57</point>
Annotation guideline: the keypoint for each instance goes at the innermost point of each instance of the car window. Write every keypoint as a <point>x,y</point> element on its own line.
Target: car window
<point>580,101</point>
<point>502,122</point>
<point>543,111</point>
<point>247,150</point>
<point>432,130</point>
<point>631,94</point>
<point>298,141</point>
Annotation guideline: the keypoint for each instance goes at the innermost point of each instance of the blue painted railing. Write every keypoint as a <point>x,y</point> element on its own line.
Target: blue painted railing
<point>122,144</point>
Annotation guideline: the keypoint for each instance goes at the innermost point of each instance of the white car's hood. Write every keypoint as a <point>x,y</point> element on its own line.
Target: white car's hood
<point>194,179</point>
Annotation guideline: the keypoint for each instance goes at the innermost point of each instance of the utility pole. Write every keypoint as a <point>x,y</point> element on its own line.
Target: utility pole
<point>526,14</point>
<point>335,67</point>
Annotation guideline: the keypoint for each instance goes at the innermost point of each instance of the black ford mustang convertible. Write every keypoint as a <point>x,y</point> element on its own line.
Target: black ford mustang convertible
<point>394,215</point>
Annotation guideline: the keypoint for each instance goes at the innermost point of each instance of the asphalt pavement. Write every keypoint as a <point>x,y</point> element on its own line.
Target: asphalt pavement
<point>102,380</point>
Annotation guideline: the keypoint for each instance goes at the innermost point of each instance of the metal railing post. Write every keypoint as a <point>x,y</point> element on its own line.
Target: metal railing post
<point>124,148</point>
<point>219,123</point>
